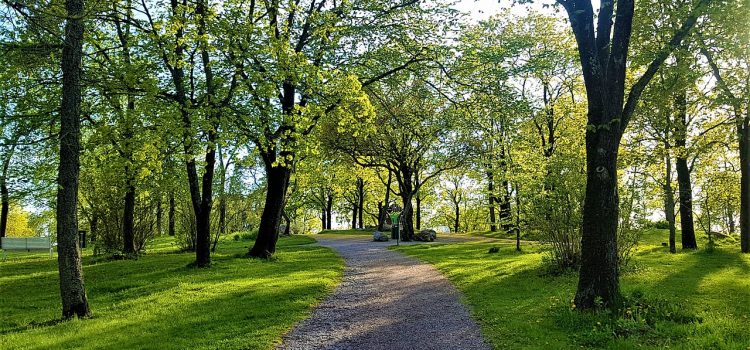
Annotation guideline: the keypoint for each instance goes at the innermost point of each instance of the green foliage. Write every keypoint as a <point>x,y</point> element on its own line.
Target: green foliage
<point>231,301</point>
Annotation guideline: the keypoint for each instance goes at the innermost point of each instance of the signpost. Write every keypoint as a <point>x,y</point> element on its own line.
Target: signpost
<point>395,214</point>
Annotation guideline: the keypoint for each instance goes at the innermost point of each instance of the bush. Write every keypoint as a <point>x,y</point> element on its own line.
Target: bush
<point>661,225</point>
<point>246,235</point>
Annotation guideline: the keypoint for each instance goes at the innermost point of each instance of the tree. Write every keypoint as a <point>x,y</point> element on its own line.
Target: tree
<point>72,288</point>
<point>302,70</point>
<point>603,53</point>
<point>415,135</point>
<point>728,56</point>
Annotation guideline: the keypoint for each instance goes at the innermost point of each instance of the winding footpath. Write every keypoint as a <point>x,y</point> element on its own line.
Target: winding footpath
<point>386,301</point>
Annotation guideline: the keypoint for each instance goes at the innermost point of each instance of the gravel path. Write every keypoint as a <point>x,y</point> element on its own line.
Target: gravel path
<point>386,301</point>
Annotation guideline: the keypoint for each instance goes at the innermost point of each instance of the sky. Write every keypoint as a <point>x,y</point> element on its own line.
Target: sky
<point>483,9</point>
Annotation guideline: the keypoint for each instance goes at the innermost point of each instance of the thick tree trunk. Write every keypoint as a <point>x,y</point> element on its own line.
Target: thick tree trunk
<point>128,219</point>
<point>159,214</point>
<point>506,210</point>
<point>288,222</point>
<point>683,175</point>
<point>599,274</point>
<point>329,212</point>
<point>355,210</point>
<point>491,195</point>
<point>361,203</point>
<point>268,232</point>
<point>687,224</point>
<point>323,215</point>
<point>72,288</point>
<point>406,229</point>
<point>744,143</point>
<point>456,223</point>
<point>170,219</point>
<point>5,199</point>
<point>383,208</point>
<point>669,202</point>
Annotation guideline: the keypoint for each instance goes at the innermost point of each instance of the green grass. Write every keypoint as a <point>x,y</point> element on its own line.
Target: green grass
<point>157,302</point>
<point>501,234</point>
<point>347,232</point>
<point>520,306</point>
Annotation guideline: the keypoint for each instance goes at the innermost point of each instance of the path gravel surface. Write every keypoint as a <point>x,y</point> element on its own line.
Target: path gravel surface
<point>386,301</point>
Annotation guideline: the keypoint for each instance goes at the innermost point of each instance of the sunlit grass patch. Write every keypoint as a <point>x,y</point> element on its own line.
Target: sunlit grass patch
<point>695,299</point>
<point>158,302</point>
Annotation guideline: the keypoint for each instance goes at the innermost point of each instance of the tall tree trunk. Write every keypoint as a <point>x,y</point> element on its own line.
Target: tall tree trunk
<point>268,231</point>
<point>669,201</point>
<point>5,199</point>
<point>506,210</point>
<point>222,194</point>
<point>361,203</point>
<point>599,274</point>
<point>491,195</point>
<point>288,223</point>
<point>456,223</point>
<point>204,200</point>
<point>406,229</point>
<point>603,49</point>
<point>418,199</point>
<point>383,209</point>
<point>744,142</point>
<point>354,215</point>
<point>72,288</point>
<point>128,219</point>
<point>329,211</point>
<point>159,214</point>
<point>683,174</point>
<point>170,219</point>
<point>323,215</point>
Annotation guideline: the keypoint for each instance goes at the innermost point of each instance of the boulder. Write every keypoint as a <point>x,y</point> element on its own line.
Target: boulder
<point>380,237</point>
<point>425,235</point>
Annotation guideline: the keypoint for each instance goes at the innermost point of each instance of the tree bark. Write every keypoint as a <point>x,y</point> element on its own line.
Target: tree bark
<point>323,215</point>
<point>170,215</point>
<point>683,175</point>
<point>72,288</point>
<point>361,203</point>
<point>383,209</point>
<point>669,200</point>
<point>5,199</point>
<point>329,211</point>
<point>128,219</point>
<point>457,222</point>
<point>491,192</point>
<point>744,145</point>
<point>159,214</point>
<point>287,221</point>
<point>598,278</point>
<point>268,232</point>
<point>406,229</point>
<point>506,210</point>
<point>355,210</point>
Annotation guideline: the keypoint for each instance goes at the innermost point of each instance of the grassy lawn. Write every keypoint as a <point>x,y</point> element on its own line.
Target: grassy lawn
<point>156,302</point>
<point>347,232</point>
<point>696,300</point>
